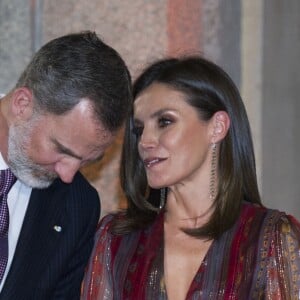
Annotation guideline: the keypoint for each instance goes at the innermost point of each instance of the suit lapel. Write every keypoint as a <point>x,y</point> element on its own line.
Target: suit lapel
<point>38,238</point>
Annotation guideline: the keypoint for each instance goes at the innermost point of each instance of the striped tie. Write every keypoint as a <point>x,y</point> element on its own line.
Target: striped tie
<point>7,179</point>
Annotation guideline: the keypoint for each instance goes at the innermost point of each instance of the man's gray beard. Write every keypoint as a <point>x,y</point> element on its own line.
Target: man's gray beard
<point>21,165</point>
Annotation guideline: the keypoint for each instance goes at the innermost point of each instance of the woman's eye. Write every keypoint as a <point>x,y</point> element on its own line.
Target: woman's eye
<point>163,122</point>
<point>137,130</point>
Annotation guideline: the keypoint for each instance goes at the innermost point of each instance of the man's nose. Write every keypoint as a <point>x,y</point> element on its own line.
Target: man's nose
<point>67,170</point>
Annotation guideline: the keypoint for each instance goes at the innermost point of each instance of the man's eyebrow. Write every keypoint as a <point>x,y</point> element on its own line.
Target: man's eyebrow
<point>62,149</point>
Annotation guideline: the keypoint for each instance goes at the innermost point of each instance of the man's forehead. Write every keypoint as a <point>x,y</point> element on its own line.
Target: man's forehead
<point>79,135</point>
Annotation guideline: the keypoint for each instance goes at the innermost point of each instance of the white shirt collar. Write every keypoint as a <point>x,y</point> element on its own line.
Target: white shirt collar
<point>3,165</point>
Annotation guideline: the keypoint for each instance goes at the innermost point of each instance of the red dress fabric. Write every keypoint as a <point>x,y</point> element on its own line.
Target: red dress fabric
<point>258,258</point>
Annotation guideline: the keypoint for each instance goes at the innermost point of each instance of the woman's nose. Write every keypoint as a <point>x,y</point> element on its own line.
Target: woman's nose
<point>148,139</point>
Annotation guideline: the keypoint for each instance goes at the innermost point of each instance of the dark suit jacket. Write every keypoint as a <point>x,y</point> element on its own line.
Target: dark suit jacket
<point>49,263</point>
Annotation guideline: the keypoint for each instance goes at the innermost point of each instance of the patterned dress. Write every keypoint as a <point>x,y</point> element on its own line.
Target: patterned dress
<point>258,258</point>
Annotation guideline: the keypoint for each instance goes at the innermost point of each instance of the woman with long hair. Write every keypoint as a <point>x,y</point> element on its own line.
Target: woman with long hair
<point>194,226</point>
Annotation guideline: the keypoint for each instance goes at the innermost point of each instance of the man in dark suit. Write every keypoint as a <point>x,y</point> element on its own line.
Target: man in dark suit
<point>65,110</point>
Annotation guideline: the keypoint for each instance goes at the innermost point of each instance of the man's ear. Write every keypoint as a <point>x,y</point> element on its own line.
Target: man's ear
<point>220,126</point>
<point>22,103</point>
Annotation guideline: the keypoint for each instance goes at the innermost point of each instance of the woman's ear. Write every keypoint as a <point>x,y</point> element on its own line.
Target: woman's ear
<point>22,103</point>
<point>220,126</point>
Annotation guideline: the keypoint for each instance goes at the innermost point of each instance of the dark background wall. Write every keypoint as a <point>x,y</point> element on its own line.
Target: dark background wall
<point>281,104</point>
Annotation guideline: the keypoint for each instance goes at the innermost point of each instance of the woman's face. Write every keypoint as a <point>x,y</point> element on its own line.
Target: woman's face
<point>173,142</point>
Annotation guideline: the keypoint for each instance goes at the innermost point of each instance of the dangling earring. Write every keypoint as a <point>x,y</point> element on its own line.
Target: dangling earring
<point>162,198</point>
<point>213,172</point>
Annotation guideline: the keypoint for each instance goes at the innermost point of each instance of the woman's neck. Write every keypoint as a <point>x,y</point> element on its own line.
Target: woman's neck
<point>188,207</point>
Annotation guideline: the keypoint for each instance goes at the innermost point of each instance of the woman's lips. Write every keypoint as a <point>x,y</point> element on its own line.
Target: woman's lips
<point>149,162</point>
